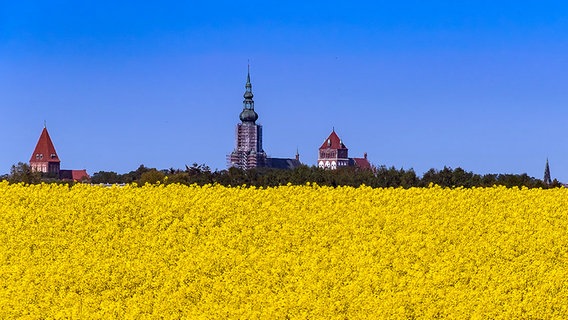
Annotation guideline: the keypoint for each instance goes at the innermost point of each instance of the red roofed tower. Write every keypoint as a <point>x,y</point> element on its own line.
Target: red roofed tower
<point>44,158</point>
<point>333,153</point>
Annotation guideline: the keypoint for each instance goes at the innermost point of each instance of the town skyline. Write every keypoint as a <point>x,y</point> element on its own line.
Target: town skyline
<point>477,86</point>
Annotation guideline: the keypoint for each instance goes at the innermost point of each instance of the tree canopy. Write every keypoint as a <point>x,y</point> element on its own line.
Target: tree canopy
<point>381,176</point>
<point>347,176</point>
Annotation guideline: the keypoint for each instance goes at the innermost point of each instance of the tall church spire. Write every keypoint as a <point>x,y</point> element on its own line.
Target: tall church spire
<point>547,180</point>
<point>248,151</point>
<point>248,114</point>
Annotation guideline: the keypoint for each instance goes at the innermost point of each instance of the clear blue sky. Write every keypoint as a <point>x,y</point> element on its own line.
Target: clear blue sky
<point>416,84</point>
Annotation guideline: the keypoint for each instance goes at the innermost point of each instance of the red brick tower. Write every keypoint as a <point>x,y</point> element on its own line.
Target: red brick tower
<point>45,159</point>
<point>333,153</point>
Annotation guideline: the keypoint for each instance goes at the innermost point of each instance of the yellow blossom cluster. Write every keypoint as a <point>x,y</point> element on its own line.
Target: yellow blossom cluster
<point>291,252</point>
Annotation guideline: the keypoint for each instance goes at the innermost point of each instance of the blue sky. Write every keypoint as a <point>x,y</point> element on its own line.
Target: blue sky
<point>416,84</point>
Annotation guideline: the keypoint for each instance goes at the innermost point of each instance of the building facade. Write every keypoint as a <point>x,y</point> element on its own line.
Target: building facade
<point>45,159</point>
<point>333,154</point>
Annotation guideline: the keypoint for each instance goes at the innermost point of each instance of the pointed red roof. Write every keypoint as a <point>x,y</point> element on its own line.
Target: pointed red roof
<point>44,150</point>
<point>333,142</point>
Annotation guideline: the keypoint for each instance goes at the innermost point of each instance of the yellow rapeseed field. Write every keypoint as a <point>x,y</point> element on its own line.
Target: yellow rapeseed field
<point>292,252</point>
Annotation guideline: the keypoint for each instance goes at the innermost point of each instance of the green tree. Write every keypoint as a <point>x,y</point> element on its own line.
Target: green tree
<point>178,177</point>
<point>106,177</point>
<point>22,172</point>
<point>199,174</point>
<point>152,176</point>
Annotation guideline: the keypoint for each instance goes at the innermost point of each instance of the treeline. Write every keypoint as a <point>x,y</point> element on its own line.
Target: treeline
<point>265,177</point>
<point>348,176</point>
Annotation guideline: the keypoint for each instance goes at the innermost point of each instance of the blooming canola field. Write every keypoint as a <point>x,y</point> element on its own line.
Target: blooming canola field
<point>290,252</point>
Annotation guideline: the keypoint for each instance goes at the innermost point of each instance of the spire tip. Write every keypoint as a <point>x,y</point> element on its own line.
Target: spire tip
<point>248,73</point>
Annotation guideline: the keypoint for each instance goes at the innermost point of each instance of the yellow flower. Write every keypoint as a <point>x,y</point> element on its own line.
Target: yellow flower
<point>174,251</point>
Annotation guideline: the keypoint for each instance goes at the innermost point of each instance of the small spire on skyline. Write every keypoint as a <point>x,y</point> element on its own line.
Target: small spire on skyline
<point>547,180</point>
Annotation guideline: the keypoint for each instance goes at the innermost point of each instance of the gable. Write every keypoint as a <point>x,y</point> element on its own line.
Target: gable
<point>44,150</point>
<point>333,142</point>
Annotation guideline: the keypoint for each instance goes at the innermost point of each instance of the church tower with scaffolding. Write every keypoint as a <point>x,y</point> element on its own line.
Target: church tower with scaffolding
<point>248,152</point>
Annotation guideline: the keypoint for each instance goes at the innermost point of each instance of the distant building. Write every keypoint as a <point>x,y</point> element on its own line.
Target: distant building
<point>248,152</point>
<point>334,154</point>
<point>45,159</point>
<point>74,175</point>
<point>284,163</point>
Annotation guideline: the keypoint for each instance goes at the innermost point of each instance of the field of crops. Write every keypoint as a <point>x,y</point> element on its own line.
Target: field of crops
<point>298,252</point>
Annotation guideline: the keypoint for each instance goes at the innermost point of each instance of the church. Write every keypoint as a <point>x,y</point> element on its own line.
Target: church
<point>248,152</point>
<point>46,160</point>
<point>334,154</point>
